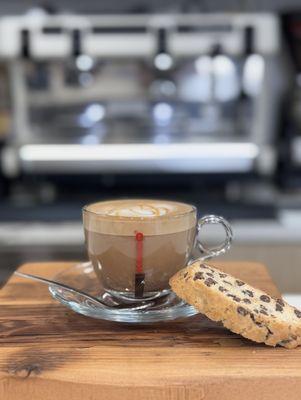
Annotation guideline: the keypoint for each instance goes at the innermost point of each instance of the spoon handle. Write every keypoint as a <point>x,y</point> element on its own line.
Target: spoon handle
<point>36,278</point>
<point>60,285</point>
<point>79,296</point>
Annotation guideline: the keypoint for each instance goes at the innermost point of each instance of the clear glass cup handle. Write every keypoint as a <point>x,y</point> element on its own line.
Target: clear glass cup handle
<point>207,252</point>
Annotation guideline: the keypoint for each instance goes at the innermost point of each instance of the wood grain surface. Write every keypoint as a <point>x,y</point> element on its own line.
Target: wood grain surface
<point>48,352</point>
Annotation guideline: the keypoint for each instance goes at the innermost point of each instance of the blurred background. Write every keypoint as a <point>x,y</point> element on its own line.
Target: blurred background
<point>194,101</point>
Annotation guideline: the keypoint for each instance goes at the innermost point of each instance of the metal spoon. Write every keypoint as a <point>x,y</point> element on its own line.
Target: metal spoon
<point>80,297</point>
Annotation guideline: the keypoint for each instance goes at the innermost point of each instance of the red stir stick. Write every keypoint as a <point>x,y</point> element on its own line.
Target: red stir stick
<point>139,275</point>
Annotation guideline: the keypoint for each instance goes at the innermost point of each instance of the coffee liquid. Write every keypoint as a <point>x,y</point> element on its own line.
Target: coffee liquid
<point>114,258</point>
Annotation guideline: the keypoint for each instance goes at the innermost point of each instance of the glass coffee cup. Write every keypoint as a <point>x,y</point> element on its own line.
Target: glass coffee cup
<point>136,246</point>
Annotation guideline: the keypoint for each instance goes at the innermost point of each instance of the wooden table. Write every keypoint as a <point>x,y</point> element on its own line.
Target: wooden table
<point>48,352</point>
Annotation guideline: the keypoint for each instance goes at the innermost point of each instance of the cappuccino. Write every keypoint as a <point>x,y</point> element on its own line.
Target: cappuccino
<point>149,238</point>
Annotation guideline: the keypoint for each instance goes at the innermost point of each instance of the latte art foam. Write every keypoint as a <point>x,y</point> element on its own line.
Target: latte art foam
<point>125,217</point>
<point>141,210</point>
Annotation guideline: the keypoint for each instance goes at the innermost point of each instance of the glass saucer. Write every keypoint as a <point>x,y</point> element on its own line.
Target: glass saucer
<point>82,277</point>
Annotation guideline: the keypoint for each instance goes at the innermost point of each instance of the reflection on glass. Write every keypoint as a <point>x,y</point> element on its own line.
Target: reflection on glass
<point>253,74</point>
<point>162,113</point>
<point>93,113</point>
<point>226,80</point>
<point>214,78</point>
<point>163,61</point>
<point>84,62</point>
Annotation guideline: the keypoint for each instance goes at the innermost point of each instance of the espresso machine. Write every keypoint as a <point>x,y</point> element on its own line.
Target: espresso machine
<point>140,94</point>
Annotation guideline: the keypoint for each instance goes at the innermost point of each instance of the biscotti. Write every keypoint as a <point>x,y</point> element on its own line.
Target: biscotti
<point>240,307</point>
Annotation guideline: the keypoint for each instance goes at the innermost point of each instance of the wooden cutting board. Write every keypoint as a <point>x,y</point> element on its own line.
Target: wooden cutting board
<point>48,352</point>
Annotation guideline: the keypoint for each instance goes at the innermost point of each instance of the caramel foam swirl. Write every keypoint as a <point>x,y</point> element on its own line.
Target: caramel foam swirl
<point>149,216</point>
